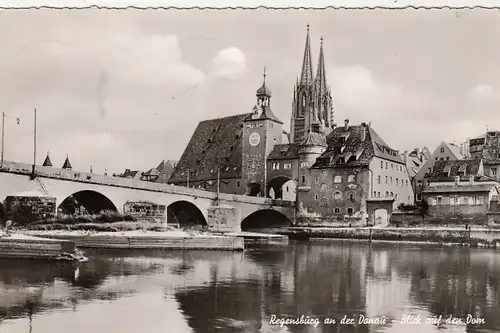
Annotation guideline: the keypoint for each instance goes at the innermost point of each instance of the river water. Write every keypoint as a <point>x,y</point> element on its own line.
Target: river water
<point>204,292</point>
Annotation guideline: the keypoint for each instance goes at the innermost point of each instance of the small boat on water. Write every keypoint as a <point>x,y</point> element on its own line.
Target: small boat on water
<point>18,245</point>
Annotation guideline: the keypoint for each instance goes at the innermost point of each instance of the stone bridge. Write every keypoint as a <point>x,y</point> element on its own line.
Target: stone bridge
<point>15,179</point>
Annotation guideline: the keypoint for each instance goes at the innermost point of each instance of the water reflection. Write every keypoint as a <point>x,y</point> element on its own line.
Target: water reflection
<point>204,292</point>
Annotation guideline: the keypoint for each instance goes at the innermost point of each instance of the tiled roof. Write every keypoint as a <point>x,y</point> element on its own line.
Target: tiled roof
<point>132,174</point>
<point>447,170</point>
<point>214,142</point>
<point>459,188</point>
<point>314,139</point>
<point>455,150</point>
<point>151,172</point>
<point>262,113</point>
<point>346,148</point>
<point>491,150</point>
<point>284,152</point>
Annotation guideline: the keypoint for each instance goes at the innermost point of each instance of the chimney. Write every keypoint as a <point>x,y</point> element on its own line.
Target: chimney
<point>363,133</point>
<point>405,156</point>
<point>471,180</point>
<point>457,180</point>
<point>346,124</point>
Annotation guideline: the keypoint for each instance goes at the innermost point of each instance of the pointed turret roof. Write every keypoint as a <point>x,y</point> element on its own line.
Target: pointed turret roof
<point>47,162</point>
<point>314,139</point>
<point>67,163</point>
<point>321,72</point>
<point>306,77</point>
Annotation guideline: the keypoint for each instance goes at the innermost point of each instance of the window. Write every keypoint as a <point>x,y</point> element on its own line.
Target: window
<point>323,186</point>
<point>439,200</point>
<point>350,196</point>
<point>350,211</point>
<point>303,179</point>
<point>493,171</point>
<point>374,193</point>
<point>316,180</point>
<point>392,194</point>
<point>336,210</point>
<point>303,165</point>
<point>237,183</point>
<point>323,202</point>
<point>386,165</point>
<point>378,194</point>
<point>391,180</point>
<point>392,166</point>
<point>419,196</point>
<point>287,189</point>
<point>436,158</point>
<point>406,183</point>
<point>386,178</point>
<point>465,200</point>
<point>397,181</point>
<point>419,183</point>
<point>351,179</point>
<point>378,179</point>
<point>386,193</point>
<point>447,158</point>
<point>315,197</point>
<point>381,164</point>
<point>337,179</point>
<point>276,166</point>
<point>287,165</point>
<point>337,195</point>
<point>442,150</point>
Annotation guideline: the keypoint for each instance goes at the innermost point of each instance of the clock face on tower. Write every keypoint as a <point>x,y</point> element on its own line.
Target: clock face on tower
<point>254,139</point>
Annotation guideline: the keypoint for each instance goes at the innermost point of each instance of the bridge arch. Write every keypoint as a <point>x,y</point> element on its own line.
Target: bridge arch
<point>185,213</point>
<point>265,218</point>
<point>282,188</point>
<point>86,201</point>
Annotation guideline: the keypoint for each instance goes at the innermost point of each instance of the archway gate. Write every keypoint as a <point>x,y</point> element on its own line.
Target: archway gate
<point>374,204</point>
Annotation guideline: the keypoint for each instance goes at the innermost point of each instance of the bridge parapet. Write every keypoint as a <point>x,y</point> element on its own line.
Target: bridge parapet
<point>91,178</point>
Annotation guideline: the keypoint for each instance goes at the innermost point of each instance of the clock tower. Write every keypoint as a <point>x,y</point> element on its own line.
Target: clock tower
<point>261,131</point>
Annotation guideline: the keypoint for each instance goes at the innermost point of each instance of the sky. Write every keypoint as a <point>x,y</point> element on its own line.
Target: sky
<point>117,89</point>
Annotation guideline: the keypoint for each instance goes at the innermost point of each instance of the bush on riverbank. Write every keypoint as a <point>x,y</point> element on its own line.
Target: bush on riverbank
<point>105,217</point>
<point>101,227</point>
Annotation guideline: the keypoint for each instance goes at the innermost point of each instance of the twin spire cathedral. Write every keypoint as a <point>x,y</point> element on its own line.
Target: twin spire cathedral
<point>312,108</point>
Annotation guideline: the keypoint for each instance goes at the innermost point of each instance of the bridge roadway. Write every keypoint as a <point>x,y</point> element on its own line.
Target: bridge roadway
<point>61,183</point>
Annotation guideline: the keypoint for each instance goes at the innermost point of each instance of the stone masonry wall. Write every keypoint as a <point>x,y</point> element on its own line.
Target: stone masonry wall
<point>23,210</point>
<point>145,211</point>
<point>460,214</point>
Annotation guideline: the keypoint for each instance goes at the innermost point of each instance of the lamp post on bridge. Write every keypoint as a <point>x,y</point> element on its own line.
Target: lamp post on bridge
<point>3,134</point>
<point>34,146</point>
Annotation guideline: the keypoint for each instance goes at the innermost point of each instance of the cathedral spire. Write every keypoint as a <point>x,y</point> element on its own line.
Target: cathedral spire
<point>321,72</point>
<point>306,77</point>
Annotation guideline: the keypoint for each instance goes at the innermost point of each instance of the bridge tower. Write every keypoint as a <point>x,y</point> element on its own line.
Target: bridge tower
<point>261,131</point>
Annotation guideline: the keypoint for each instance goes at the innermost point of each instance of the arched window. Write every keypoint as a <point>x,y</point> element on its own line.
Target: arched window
<point>378,179</point>
<point>386,193</point>
<point>303,179</point>
<point>322,186</point>
<point>392,194</point>
<point>350,196</point>
<point>315,197</point>
<point>378,194</point>
<point>374,193</point>
<point>323,202</point>
<point>337,195</point>
<point>350,211</point>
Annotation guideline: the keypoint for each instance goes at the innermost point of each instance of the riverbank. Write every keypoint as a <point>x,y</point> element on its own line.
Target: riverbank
<point>475,237</point>
<point>144,239</point>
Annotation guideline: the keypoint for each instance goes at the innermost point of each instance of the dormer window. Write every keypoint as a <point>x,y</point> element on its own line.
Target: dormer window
<point>237,136</point>
<point>209,140</point>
